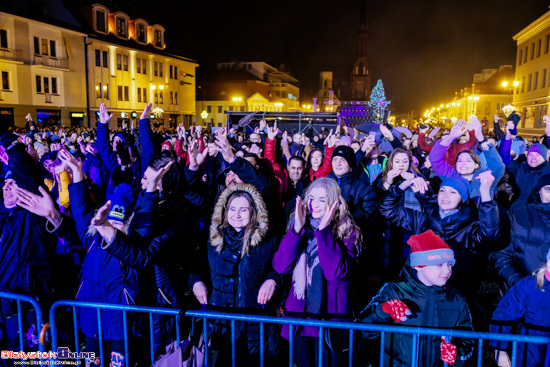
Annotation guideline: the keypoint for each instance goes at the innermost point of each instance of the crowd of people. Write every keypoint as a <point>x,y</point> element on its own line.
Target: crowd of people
<point>339,224</point>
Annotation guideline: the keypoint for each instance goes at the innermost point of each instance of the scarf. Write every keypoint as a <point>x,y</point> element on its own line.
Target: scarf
<point>308,276</point>
<point>233,239</point>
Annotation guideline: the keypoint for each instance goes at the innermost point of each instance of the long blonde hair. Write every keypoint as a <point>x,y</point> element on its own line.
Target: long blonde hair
<point>539,274</point>
<point>342,225</point>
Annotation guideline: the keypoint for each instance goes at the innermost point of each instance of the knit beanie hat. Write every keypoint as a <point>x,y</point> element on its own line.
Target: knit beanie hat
<point>460,185</point>
<point>518,146</point>
<point>538,148</point>
<point>514,117</point>
<point>168,144</point>
<point>122,203</point>
<point>345,152</point>
<point>429,249</point>
<point>543,181</point>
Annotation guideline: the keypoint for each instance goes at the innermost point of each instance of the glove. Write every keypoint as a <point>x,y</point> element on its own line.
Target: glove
<point>397,309</point>
<point>448,352</point>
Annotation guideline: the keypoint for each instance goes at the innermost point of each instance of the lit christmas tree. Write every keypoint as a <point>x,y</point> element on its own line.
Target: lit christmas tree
<point>379,103</point>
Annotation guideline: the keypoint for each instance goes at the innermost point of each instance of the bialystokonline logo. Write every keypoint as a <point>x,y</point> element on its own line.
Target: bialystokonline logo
<point>62,353</point>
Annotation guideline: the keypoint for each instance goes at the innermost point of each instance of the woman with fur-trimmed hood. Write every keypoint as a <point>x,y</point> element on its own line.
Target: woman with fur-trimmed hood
<point>240,252</point>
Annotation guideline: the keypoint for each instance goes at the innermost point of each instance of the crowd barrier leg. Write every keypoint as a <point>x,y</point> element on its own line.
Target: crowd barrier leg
<point>38,312</point>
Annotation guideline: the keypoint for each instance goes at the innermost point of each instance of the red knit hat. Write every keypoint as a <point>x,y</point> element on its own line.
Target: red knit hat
<point>429,249</point>
<point>168,144</point>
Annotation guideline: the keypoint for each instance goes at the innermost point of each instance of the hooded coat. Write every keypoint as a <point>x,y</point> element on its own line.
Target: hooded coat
<point>238,269</point>
<point>524,300</point>
<point>530,241</point>
<point>103,278</point>
<point>432,307</point>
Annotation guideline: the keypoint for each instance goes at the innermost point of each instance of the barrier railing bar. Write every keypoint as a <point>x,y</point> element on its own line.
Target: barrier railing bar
<point>514,352</point>
<point>75,328</point>
<point>321,340</point>
<point>100,333</point>
<point>126,341</point>
<point>262,351</point>
<point>151,339</point>
<point>382,342</point>
<point>178,331</point>
<point>233,345</point>
<point>372,327</point>
<point>414,349</point>
<point>480,352</point>
<point>20,324</point>
<point>290,345</point>
<point>205,339</point>
<point>350,345</point>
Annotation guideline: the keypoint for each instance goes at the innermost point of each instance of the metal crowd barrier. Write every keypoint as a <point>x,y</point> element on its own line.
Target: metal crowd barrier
<point>39,319</point>
<point>106,306</point>
<point>351,326</point>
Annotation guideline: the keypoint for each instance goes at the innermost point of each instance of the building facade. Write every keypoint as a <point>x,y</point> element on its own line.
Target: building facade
<point>61,69</point>
<point>532,95</point>
<point>244,87</point>
<point>42,72</point>
<point>484,98</point>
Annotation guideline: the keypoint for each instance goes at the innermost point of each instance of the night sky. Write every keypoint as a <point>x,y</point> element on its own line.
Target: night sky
<point>423,50</point>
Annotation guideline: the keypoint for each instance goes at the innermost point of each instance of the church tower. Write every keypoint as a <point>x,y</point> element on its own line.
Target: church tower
<point>360,75</point>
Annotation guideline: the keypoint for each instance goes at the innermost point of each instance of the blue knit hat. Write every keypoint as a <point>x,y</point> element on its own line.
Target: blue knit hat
<point>538,148</point>
<point>122,203</point>
<point>460,185</point>
<point>518,146</point>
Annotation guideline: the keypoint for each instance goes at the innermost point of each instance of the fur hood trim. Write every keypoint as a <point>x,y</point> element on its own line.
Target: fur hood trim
<point>262,220</point>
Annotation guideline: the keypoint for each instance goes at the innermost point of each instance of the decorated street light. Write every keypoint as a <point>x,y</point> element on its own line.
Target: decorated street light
<point>157,111</point>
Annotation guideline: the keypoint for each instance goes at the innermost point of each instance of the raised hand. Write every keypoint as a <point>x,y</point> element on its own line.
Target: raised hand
<point>263,124</point>
<point>28,117</point>
<point>457,130</point>
<point>546,120</point>
<point>448,352</point>
<point>329,214</point>
<point>201,292</point>
<point>100,218</point>
<point>496,118</point>
<point>155,181</point>
<point>397,309</point>
<point>419,184</point>
<point>225,148</point>
<point>476,126</point>
<point>181,131</point>
<point>368,144</point>
<point>104,116</point>
<point>284,138</point>
<point>196,158</point>
<point>41,205</point>
<point>198,131</point>
<point>299,215</point>
<point>266,291</point>
<point>4,158</point>
<point>272,131</point>
<point>386,132</point>
<point>146,112</point>
<point>73,163</point>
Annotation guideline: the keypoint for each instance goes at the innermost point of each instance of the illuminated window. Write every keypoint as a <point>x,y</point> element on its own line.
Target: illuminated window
<point>5,80</point>
<point>100,21</point>
<point>121,27</point>
<point>140,30</point>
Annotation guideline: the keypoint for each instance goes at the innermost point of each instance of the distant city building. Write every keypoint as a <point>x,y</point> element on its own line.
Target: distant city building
<point>484,98</point>
<point>356,86</point>
<point>532,96</point>
<point>244,86</point>
<point>44,62</point>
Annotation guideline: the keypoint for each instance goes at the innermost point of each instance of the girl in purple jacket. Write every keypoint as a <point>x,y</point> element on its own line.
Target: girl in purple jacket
<point>318,250</point>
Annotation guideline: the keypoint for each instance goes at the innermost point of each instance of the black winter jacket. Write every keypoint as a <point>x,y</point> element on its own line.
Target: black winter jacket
<point>359,196</point>
<point>465,231</point>
<point>530,241</point>
<point>432,307</point>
